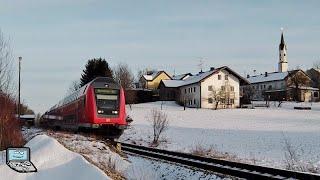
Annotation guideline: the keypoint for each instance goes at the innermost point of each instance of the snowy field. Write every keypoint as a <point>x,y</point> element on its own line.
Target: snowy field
<point>253,135</point>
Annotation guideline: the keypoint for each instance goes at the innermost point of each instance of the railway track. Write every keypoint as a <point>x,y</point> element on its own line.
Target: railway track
<point>235,169</point>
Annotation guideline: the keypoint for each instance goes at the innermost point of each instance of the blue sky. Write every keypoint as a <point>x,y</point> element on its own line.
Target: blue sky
<point>56,38</point>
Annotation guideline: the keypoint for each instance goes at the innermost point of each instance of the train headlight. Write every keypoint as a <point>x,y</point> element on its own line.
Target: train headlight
<point>114,112</point>
<point>100,111</point>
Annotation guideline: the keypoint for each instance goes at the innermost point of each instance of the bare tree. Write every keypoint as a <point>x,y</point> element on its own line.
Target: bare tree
<point>217,96</point>
<point>222,95</point>
<point>6,69</point>
<point>74,86</point>
<point>138,78</point>
<point>296,80</point>
<point>316,65</point>
<point>159,123</point>
<point>123,75</point>
<point>10,129</point>
<point>248,94</point>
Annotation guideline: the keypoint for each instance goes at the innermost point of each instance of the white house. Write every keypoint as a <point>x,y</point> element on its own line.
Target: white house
<point>217,87</point>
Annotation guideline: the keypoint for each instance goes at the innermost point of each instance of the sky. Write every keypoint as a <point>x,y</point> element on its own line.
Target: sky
<point>56,38</point>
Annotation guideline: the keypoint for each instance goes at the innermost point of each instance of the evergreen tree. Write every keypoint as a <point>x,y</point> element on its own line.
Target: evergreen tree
<point>95,68</point>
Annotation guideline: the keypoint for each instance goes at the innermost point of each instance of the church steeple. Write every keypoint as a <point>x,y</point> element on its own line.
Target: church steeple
<point>282,43</point>
<point>283,63</point>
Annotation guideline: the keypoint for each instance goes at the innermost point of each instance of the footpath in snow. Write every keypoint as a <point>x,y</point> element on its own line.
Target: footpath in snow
<point>53,161</point>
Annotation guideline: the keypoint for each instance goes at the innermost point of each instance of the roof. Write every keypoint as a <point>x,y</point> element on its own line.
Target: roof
<point>152,76</point>
<point>282,43</point>
<point>181,76</point>
<point>173,83</point>
<point>199,77</point>
<point>274,76</point>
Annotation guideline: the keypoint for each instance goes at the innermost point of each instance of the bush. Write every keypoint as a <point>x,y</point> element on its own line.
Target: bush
<point>159,123</point>
<point>10,128</point>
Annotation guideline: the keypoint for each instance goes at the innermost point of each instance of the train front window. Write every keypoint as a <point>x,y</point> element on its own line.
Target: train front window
<point>107,101</point>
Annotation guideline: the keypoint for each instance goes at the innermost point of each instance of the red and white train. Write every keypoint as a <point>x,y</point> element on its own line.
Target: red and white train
<point>97,106</point>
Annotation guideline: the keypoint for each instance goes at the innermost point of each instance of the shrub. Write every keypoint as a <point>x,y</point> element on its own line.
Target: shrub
<point>10,128</point>
<point>159,123</point>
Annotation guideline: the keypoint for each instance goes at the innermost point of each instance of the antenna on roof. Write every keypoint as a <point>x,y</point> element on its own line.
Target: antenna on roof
<point>200,65</point>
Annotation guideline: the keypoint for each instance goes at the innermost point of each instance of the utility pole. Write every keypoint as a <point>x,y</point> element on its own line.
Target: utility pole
<point>20,58</point>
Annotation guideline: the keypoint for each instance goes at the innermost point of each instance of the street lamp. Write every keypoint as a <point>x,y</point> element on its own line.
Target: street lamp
<point>20,58</point>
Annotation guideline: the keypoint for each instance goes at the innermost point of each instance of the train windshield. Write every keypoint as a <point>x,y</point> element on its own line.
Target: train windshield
<point>107,101</point>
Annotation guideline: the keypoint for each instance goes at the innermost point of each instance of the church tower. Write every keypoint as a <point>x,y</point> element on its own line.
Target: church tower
<point>283,63</point>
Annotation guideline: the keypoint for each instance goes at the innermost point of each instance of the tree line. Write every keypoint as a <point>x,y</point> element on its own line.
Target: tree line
<point>99,67</point>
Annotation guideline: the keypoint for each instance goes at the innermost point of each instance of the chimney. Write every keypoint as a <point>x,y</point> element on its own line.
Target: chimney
<point>248,76</point>
<point>212,68</point>
<point>266,74</point>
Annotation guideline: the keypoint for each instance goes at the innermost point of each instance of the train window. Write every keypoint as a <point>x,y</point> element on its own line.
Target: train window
<point>107,101</point>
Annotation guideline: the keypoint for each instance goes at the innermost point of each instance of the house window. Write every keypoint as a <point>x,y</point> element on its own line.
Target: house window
<point>194,89</point>
<point>261,87</point>
<point>223,101</point>
<point>185,91</point>
<point>219,77</point>
<point>194,101</point>
<point>264,86</point>
<point>210,88</point>
<point>316,94</point>
<point>232,101</point>
<point>226,77</point>
<point>223,88</point>
<point>270,87</point>
<point>210,100</point>
<point>231,88</point>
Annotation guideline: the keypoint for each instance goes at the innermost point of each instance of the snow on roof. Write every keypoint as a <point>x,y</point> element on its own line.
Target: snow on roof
<point>180,76</point>
<point>275,76</point>
<point>150,77</point>
<point>173,83</point>
<point>54,161</point>
<point>191,80</point>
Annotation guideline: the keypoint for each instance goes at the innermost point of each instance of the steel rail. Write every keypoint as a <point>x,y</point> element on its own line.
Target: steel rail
<point>236,169</point>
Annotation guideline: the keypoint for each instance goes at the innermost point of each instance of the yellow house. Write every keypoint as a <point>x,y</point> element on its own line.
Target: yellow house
<point>152,80</point>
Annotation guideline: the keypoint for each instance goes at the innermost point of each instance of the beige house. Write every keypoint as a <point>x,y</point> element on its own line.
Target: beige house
<point>151,80</point>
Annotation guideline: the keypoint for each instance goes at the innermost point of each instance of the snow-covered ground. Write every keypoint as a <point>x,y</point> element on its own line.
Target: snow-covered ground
<point>53,161</point>
<point>254,135</point>
<point>146,169</point>
<point>100,154</point>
